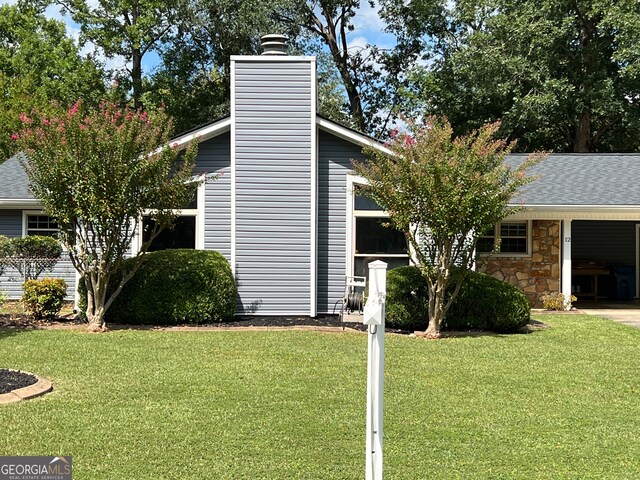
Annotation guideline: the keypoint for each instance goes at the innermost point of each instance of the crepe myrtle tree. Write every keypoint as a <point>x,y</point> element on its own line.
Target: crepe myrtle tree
<point>96,171</point>
<point>443,193</point>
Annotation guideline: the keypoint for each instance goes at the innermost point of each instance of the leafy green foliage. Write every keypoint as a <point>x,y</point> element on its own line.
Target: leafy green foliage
<point>30,255</point>
<point>96,171</point>
<point>177,286</point>
<point>407,301</point>
<point>443,193</point>
<point>39,65</point>
<point>562,76</point>
<point>486,303</point>
<point>557,301</point>
<point>44,298</point>
<point>483,303</point>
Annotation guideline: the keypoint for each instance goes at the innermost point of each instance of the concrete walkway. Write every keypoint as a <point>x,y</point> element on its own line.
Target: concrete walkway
<point>626,313</point>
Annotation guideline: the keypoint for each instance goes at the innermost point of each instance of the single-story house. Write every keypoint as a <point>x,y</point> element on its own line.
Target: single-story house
<point>286,212</point>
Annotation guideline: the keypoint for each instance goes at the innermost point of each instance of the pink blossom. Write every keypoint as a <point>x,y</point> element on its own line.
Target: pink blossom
<point>15,136</point>
<point>46,122</point>
<point>24,118</point>
<point>74,109</point>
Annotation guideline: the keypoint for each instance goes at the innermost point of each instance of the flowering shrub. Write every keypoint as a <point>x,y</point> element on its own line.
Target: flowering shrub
<point>557,301</point>
<point>98,170</point>
<point>443,192</point>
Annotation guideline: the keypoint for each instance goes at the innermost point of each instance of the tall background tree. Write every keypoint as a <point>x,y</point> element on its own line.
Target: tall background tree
<point>40,65</point>
<point>562,75</point>
<point>127,28</point>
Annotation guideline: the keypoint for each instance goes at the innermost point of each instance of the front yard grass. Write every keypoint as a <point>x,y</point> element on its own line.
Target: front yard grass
<point>558,403</point>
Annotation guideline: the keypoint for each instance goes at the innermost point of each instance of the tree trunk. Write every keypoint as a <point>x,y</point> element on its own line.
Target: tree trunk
<point>96,321</point>
<point>136,77</point>
<point>436,311</point>
<point>582,140</point>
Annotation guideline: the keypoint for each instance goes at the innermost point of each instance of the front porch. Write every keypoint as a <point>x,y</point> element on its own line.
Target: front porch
<point>589,252</point>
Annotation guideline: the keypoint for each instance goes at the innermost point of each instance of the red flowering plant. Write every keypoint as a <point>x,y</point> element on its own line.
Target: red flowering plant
<point>97,171</point>
<point>444,193</point>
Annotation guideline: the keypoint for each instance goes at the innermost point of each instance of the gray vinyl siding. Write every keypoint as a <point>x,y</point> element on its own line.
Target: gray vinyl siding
<point>273,169</point>
<point>214,156</point>
<point>334,163</point>
<point>11,223</point>
<point>613,242</point>
<point>11,280</point>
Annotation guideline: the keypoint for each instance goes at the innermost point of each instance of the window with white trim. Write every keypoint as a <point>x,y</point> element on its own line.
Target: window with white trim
<point>513,237</point>
<point>373,238</point>
<point>184,232</point>
<point>40,224</point>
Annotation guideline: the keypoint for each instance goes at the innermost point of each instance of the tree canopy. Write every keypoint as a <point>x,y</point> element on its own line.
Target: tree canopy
<point>443,193</point>
<point>39,64</point>
<point>561,75</point>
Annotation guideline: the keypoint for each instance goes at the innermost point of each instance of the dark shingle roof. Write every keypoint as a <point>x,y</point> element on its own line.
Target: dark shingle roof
<point>13,180</point>
<point>583,179</point>
<point>563,179</point>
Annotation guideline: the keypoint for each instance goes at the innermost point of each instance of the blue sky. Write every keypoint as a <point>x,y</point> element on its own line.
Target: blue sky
<point>368,29</point>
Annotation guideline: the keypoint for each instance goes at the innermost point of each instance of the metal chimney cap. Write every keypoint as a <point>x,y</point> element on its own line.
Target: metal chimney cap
<point>274,44</point>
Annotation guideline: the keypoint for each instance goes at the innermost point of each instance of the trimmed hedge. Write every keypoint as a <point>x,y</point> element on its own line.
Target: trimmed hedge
<point>483,303</point>
<point>174,287</point>
<point>44,298</point>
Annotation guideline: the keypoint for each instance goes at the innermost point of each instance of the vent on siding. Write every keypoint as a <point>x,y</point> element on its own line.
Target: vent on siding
<point>274,44</point>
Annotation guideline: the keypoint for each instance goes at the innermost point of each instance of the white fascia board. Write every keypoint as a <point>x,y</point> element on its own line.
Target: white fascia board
<point>272,58</point>
<point>314,194</point>
<point>19,203</point>
<point>351,136</point>
<point>577,212</point>
<point>202,134</point>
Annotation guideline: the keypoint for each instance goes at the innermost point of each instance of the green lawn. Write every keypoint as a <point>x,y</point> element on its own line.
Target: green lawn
<point>559,403</point>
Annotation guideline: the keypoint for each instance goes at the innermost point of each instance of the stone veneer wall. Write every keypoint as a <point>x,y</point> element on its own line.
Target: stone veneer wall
<point>538,274</point>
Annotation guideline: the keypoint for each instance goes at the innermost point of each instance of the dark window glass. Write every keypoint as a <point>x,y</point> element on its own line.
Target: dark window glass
<point>42,225</point>
<point>513,230</point>
<point>513,239</point>
<point>513,245</point>
<point>181,235</point>
<point>361,264</point>
<point>373,237</point>
<point>362,202</point>
<point>365,203</point>
<point>485,244</point>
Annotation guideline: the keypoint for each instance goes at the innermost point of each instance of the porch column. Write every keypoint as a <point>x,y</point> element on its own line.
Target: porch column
<point>566,258</point>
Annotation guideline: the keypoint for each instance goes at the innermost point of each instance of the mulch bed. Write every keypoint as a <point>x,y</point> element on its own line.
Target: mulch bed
<point>18,321</point>
<point>12,380</point>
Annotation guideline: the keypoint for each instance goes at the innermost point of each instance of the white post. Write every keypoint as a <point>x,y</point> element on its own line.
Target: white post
<point>374,318</point>
<point>566,259</point>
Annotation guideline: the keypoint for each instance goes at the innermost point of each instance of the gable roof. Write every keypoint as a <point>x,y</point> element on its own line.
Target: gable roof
<point>14,186</point>
<point>582,179</point>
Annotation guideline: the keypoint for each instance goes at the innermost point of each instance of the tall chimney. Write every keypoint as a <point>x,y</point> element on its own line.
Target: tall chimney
<point>274,44</point>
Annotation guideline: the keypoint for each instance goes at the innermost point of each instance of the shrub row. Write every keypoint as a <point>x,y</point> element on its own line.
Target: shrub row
<point>483,303</point>
<point>174,287</point>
